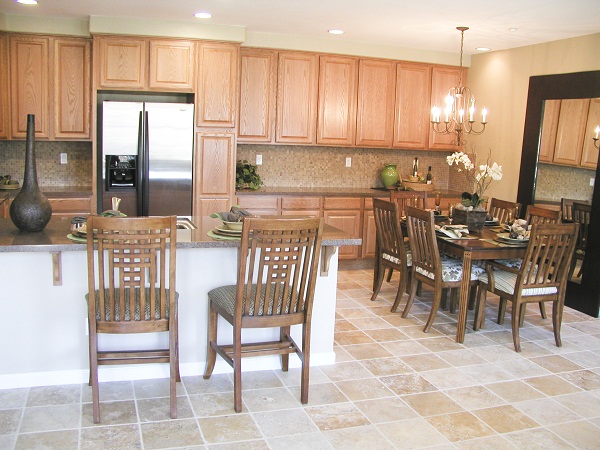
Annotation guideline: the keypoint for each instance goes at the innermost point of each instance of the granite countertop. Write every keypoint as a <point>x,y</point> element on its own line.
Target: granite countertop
<point>54,237</point>
<point>331,191</point>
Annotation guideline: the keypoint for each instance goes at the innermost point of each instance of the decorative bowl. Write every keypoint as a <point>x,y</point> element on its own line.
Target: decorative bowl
<point>237,226</point>
<point>413,179</point>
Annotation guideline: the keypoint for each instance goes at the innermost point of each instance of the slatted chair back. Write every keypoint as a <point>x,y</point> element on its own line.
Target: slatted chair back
<point>538,214</point>
<point>504,210</point>
<point>566,208</point>
<point>415,199</point>
<point>131,289</point>
<point>278,271</point>
<point>391,248</point>
<point>423,242</point>
<point>581,214</point>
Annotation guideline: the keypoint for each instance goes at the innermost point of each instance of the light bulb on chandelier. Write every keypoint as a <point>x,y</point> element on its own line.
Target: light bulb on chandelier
<point>595,138</point>
<point>459,112</point>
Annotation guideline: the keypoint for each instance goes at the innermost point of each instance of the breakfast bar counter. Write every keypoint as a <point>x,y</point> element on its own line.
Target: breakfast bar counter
<point>44,281</point>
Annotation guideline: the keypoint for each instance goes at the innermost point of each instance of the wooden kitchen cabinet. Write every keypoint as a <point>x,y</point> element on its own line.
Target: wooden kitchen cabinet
<point>301,206</point>
<point>589,155</point>
<point>345,213</point>
<point>297,91</point>
<point>369,234</point>
<point>121,62</point>
<point>4,98</point>
<point>71,206</point>
<point>336,121</point>
<point>216,95</point>
<point>172,65</point>
<point>571,131</point>
<point>258,95</point>
<point>29,71</point>
<point>549,128</point>
<point>376,97</point>
<point>259,204</point>
<point>412,109</point>
<point>215,168</point>
<point>444,78</point>
<point>72,88</point>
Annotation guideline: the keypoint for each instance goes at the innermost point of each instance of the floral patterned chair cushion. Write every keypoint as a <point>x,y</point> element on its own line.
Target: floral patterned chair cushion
<point>452,270</point>
<point>396,260</point>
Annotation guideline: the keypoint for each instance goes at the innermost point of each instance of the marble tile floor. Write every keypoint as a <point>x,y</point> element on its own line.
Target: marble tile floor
<point>392,386</point>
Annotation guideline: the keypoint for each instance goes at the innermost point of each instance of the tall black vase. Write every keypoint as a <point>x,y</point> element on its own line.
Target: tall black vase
<point>30,210</point>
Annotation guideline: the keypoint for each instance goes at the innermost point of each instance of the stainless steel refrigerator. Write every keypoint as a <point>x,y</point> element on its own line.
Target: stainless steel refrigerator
<point>146,159</point>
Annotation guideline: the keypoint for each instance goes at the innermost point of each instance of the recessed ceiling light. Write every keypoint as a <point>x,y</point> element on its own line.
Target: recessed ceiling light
<point>203,15</point>
<point>512,30</point>
<point>27,2</point>
<point>483,49</point>
<point>336,31</point>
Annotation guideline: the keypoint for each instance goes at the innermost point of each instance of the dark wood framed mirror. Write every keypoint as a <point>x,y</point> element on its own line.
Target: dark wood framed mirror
<point>584,296</point>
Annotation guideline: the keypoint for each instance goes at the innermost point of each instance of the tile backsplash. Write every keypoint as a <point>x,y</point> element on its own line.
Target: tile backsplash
<point>303,166</point>
<point>554,182</point>
<point>77,171</point>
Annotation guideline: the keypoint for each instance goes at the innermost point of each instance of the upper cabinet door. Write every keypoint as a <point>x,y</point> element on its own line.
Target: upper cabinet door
<point>29,84</point>
<point>217,85</point>
<point>297,97</point>
<point>258,89</point>
<point>549,128</point>
<point>72,88</point>
<point>411,123</point>
<point>171,65</point>
<point>571,130</point>
<point>337,100</point>
<point>376,96</point>
<point>589,156</point>
<point>443,79</point>
<point>122,62</point>
<point>4,99</point>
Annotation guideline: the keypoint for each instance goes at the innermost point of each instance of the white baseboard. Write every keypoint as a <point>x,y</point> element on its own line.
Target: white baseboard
<point>149,371</point>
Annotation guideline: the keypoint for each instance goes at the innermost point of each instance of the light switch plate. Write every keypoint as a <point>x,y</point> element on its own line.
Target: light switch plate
<point>348,162</point>
<point>259,160</point>
<point>592,181</point>
<point>63,158</point>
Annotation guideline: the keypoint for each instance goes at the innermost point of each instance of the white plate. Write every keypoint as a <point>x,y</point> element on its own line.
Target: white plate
<point>506,237</point>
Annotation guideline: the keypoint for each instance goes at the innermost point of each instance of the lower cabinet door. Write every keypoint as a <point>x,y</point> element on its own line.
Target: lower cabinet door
<point>348,221</point>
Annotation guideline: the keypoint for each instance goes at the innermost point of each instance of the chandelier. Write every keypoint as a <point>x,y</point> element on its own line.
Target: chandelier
<point>597,131</point>
<point>459,113</point>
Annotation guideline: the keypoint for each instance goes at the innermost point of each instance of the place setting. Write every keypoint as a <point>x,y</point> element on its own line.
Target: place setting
<point>516,234</point>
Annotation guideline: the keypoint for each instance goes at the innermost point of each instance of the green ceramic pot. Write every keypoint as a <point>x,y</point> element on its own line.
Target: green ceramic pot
<point>389,175</point>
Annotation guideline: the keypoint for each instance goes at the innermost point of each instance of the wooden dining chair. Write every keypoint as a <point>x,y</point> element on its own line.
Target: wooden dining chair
<point>581,213</point>
<point>566,208</point>
<point>416,199</point>
<point>392,252</point>
<point>428,266</point>
<point>538,214</point>
<point>504,210</point>
<point>131,289</point>
<point>276,276</point>
<point>541,278</point>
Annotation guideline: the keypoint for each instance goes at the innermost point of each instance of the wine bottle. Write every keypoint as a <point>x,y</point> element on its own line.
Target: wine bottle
<point>415,167</point>
<point>429,177</point>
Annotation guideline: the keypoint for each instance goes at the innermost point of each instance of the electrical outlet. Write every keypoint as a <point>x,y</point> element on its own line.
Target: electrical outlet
<point>63,158</point>
<point>592,181</point>
<point>259,160</point>
<point>348,162</point>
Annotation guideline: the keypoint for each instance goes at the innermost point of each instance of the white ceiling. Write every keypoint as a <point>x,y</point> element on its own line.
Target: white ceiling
<point>420,24</point>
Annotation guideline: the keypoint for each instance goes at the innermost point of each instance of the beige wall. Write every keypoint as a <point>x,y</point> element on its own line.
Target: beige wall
<point>500,81</point>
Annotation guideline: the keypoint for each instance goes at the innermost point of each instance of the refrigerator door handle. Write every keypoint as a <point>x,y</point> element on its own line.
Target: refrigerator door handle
<point>141,167</point>
<point>146,173</point>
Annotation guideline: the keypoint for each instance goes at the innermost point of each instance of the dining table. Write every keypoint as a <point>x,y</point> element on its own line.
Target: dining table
<point>476,246</point>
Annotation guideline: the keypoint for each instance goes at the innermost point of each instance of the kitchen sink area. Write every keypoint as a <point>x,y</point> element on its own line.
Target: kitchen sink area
<point>184,223</point>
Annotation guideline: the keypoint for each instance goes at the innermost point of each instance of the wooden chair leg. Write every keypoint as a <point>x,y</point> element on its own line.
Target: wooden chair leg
<point>211,354</point>
<point>472,297</point>
<point>173,372</point>
<point>411,297</point>
<point>543,310</point>
<point>501,310</point>
<point>557,312</point>
<point>389,276</point>
<point>437,297</point>
<point>285,357</point>
<point>522,313</point>
<point>377,281</point>
<point>515,319</point>
<point>453,300</point>
<point>479,321</point>
<point>444,300</point>
<point>237,369</point>
<point>94,377</point>
<point>305,357</point>
<point>401,289</point>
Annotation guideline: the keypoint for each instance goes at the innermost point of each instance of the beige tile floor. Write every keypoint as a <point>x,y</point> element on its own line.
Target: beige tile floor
<point>393,386</point>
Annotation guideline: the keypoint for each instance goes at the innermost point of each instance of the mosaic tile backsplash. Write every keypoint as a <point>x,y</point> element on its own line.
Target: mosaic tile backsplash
<point>77,171</point>
<point>285,166</point>
<point>555,182</point>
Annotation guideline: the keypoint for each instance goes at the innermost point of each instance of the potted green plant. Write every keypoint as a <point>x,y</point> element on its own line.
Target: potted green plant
<point>246,176</point>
